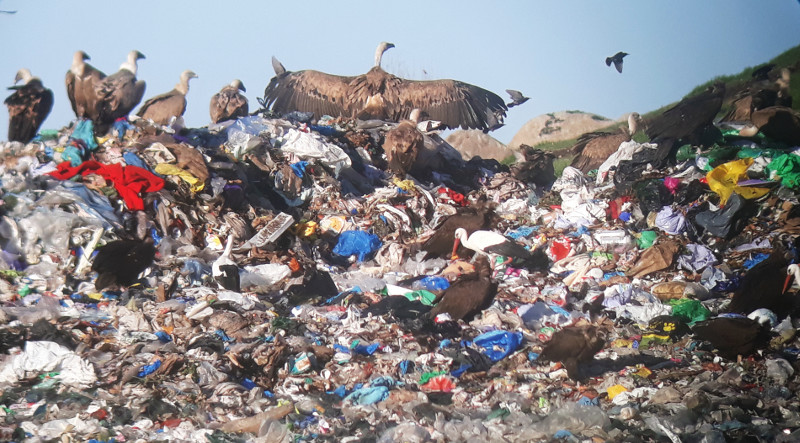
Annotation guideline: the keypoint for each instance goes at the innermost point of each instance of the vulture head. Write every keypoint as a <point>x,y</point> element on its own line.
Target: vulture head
<point>183,86</point>
<point>130,63</point>
<point>23,75</point>
<point>238,85</point>
<point>382,47</point>
<point>78,61</point>
<point>415,115</point>
<point>277,66</point>
<point>633,122</point>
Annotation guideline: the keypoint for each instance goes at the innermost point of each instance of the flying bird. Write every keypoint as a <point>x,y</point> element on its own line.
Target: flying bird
<point>380,95</point>
<point>470,295</point>
<point>225,270</point>
<point>573,346</point>
<point>516,98</point>
<point>402,144</point>
<point>594,148</point>
<point>229,103</point>
<point>120,262</point>
<point>617,60</point>
<point>28,106</point>
<point>162,108</point>
<point>119,93</point>
<point>81,80</point>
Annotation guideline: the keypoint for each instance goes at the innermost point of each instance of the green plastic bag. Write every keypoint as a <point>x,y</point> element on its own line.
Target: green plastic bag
<point>691,311</point>
<point>425,297</point>
<point>646,239</point>
<point>787,167</point>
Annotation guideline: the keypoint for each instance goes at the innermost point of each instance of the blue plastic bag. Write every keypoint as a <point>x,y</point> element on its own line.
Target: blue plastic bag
<point>357,243</point>
<point>498,344</point>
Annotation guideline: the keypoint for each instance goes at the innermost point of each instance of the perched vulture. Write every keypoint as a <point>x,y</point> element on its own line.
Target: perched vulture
<point>617,60</point>
<point>470,295</point>
<point>80,81</point>
<point>594,148</point>
<point>161,108</point>
<point>776,122</point>
<point>402,144</point>
<point>229,103</point>
<point>120,262</point>
<point>760,96</point>
<point>733,336</point>
<point>119,93</point>
<point>537,168</point>
<point>28,106</point>
<point>573,346</point>
<point>378,94</point>
<point>516,98</point>
<point>690,116</point>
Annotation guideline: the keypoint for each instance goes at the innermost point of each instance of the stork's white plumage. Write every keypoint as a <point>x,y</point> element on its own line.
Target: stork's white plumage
<point>792,270</point>
<point>489,242</point>
<point>225,270</point>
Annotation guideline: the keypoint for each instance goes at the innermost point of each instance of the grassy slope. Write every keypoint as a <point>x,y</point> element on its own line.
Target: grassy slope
<point>732,82</point>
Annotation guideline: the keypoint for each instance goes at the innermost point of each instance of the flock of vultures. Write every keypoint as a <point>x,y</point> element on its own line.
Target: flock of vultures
<point>764,105</point>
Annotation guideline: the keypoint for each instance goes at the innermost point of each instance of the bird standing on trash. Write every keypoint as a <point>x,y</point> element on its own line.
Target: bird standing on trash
<point>733,336</point>
<point>470,295</point>
<point>80,81</point>
<point>776,122</point>
<point>224,269</point>
<point>594,148</point>
<point>162,108</point>
<point>470,219</point>
<point>119,93</point>
<point>120,262</point>
<point>765,286</point>
<point>617,60</point>
<point>28,106</point>
<point>516,98</point>
<point>402,144</point>
<point>492,243</point>
<point>229,103</point>
<point>573,346</point>
<point>380,95</point>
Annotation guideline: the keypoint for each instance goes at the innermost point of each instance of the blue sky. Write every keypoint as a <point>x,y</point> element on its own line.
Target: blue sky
<point>553,51</point>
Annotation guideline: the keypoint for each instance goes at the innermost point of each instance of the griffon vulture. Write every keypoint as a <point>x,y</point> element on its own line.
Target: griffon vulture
<point>80,81</point>
<point>470,295</point>
<point>378,94</point>
<point>776,122</point>
<point>594,148</point>
<point>402,144</point>
<point>229,103</point>
<point>28,106</point>
<point>161,108</point>
<point>119,93</point>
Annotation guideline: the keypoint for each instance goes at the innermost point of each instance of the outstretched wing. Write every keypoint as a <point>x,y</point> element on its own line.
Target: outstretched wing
<point>308,91</point>
<point>454,103</point>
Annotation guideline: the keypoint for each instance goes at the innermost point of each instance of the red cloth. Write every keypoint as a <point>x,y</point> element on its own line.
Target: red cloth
<point>453,195</point>
<point>129,181</point>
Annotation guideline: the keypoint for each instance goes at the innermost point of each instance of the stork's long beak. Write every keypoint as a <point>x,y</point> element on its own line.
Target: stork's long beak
<point>453,255</point>
<point>787,283</point>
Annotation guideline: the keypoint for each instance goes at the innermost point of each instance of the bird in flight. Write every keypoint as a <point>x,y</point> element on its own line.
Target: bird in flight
<point>617,60</point>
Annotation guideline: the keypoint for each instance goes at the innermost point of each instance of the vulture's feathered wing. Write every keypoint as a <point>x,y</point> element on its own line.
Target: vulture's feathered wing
<point>28,106</point>
<point>470,295</point>
<point>594,148</point>
<point>161,108</point>
<point>689,116</point>
<point>378,94</point>
<point>81,80</point>
<point>120,92</point>
<point>573,346</point>
<point>229,103</point>
<point>776,122</point>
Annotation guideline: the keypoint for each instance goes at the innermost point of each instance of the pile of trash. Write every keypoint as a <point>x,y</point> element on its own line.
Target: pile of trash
<point>267,279</point>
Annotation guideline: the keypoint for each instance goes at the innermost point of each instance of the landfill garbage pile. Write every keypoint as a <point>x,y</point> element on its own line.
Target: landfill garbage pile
<point>268,279</point>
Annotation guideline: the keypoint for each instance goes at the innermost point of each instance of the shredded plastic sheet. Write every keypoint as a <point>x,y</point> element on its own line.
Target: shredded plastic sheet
<point>698,258</point>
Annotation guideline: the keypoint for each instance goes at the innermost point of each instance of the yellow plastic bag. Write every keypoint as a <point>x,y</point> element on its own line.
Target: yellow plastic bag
<point>167,169</point>
<point>615,390</point>
<point>724,178</point>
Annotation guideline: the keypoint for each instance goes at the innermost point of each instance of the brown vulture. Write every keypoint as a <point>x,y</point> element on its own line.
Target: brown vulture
<point>80,81</point>
<point>733,336</point>
<point>28,106</point>
<point>119,93</point>
<point>776,122</point>
<point>760,96</point>
<point>470,295</point>
<point>120,262</point>
<point>573,346</point>
<point>161,108</point>
<point>378,94</point>
<point>229,103</point>
<point>440,244</point>
<point>594,148</point>
<point>402,144</point>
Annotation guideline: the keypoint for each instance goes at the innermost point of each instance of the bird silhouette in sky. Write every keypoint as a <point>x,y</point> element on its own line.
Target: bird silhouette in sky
<point>617,59</point>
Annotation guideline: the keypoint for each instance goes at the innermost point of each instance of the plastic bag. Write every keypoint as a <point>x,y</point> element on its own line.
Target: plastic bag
<point>724,180</point>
